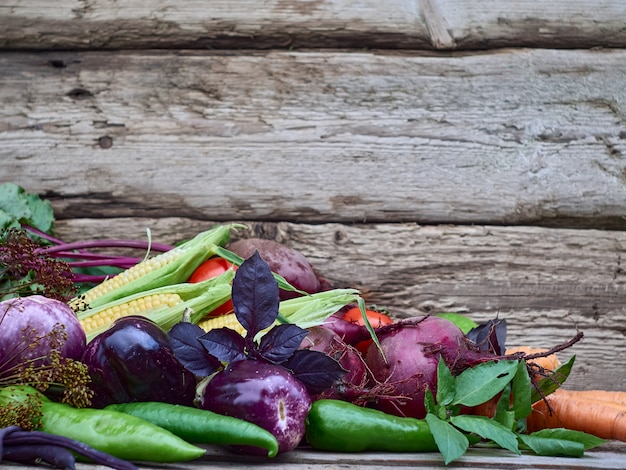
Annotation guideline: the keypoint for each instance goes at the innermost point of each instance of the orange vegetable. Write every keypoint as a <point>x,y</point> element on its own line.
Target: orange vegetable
<point>604,419</point>
<point>618,397</point>
<point>376,319</point>
<point>548,363</point>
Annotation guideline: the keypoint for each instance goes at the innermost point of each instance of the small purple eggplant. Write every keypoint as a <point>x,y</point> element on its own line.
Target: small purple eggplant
<point>134,361</point>
<point>265,394</point>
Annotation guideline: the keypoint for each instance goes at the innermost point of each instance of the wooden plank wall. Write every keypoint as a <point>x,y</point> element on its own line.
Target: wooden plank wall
<point>437,155</point>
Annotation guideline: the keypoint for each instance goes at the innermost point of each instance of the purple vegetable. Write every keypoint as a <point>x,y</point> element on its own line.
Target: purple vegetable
<point>15,444</point>
<point>349,332</point>
<point>55,456</point>
<point>266,381</point>
<point>412,348</point>
<point>283,260</point>
<point>327,341</point>
<point>134,361</point>
<point>265,394</point>
<point>31,327</point>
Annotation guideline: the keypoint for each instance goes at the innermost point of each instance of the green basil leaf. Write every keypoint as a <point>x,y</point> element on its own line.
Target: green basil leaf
<point>522,406</point>
<point>445,384</point>
<point>487,429</point>
<point>589,441</point>
<point>549,384</point>
<point>429,403</point>
<point>461,321</point>
<point>480,383</point>
<point>552,447</point>
<point>450,441</point>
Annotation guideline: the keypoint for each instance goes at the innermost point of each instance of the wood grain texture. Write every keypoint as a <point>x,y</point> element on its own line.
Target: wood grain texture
<point>608,457</point>
<point>413,24</point>
<point>508,137</point>
<point>546,283</point>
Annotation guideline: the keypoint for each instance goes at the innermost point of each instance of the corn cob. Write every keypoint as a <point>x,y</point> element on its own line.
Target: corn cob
<point>229,321</point>
<point>172,267</point>
<point>164,305</point>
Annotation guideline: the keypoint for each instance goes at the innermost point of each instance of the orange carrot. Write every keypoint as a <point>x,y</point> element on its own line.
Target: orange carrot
<point>606,420</point>
<point>618,397</point>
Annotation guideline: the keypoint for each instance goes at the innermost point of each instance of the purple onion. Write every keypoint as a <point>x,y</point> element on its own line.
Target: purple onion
<point>29,328</point>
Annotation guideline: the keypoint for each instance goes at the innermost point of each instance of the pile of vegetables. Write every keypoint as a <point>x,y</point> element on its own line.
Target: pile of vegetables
<point>111,359</point>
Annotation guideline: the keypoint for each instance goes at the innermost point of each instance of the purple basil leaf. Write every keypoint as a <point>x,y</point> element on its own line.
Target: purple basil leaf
<point>255,295</point>
<point>489,336</point>
<point>279,343</point>
<point>189,351</point>
<point>224,344</point>
<point>316,370</point>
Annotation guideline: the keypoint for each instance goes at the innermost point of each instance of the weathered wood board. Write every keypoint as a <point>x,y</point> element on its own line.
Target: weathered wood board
<point>508,137</point>
<point>401,24</point>
<point>609,457</point>
<point>546,283</point>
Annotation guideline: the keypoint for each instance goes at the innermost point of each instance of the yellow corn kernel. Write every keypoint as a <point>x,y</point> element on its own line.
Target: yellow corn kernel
<point>126,276</point>
<point>228,320</point>
<point>140,306</point>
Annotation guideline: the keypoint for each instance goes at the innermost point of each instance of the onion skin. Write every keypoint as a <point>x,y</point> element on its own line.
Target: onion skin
<point>26,320</point>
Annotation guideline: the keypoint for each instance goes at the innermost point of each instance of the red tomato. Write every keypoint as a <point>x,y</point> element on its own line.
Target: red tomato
<point>376,319</point>
<point>211,268</point>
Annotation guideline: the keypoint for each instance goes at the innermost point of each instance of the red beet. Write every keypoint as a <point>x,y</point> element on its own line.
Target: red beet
<point>288,262</point>
<point>412,348</point>
<point>327,341</point>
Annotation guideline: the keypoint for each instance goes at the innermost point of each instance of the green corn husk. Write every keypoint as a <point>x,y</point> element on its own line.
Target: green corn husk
<point>189,255</point>
<point>312,309</point>
<point>198,300</point>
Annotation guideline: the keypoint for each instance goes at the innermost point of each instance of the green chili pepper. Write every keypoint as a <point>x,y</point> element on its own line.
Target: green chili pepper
<point>119,434</point>
<point>340,426</point>
<point>201,426</point>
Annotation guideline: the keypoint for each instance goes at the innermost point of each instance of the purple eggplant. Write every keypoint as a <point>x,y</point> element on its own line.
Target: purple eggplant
<point>265,394</point>
<point>134,361</point>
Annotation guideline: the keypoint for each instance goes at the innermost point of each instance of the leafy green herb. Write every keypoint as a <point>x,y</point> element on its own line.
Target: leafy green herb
<point>550,384</point>
<point>521,390</point>
<point>479,384</point>
<point>18,207</point>
<point>454,432</point>
<point>451,442</point>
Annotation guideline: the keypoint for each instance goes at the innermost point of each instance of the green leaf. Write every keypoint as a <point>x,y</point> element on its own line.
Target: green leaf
<point>461,321</point>
<point>589,441</point>
<point>430,405</point>
<point>487,429</point>
<point>480,383</point>
<point>550,384</point>
<point>19,207</point>
<point>522,406</point>
<point>450,441</point>
<point>552,447</point>
<point>445,384</point>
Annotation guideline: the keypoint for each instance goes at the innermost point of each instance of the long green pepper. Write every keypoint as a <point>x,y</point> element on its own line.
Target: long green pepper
<point>119,434</point>
<point>340,426</point>
<point>201,426</point>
